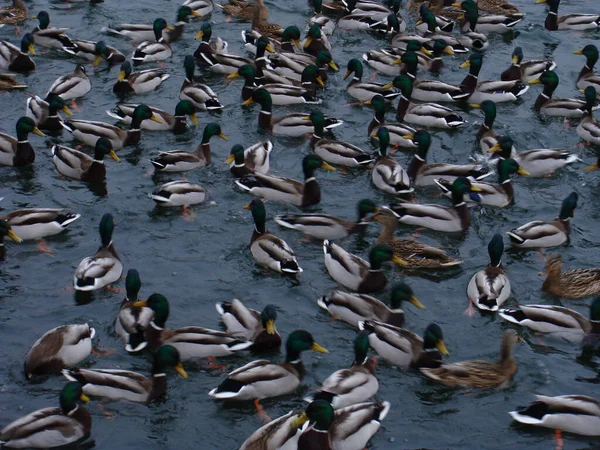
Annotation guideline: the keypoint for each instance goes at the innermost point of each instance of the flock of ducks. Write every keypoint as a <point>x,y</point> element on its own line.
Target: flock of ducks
<point>282,70</point>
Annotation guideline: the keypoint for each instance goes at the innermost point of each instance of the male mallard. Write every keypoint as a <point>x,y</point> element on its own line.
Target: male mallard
<point>49,37</point>
<point>403,348</point>
<point>267,249</point>
<point>95,52</point>
<point>290,38</point>
<point>37,223</point>
<point>202,8</point>
<point>191,342</point>
<point>206,48</point>
<point>363,91</point>
<point>286,189</point>
<point>13,14</point>
<point>478,373</point>
<point>487,23</point>
<point>570,21</point>
<point>154,50</point>
<point>353,308</point>
<point>326,24</point>
<point>160,120</point>
<point>589,128</point>
<point>71,86</point>
<point>355,273</point>
<point>586,76</point>
<point>238,167</point>
<point>526,70</point>
<point>178,193</point>
<point>126,385</point>
<point>315,41</point>
<point>292,65</point>
<point>8,82</point>
<point>574,283</point>
<point>256,157</point>
<point>89,132</point>
<point>18,151</point>
<point>80,166</point>
<point>386,60</point>
<point>58,348</point>
<point>51,427</point>
<point>538,234</point>
<point>387,174</point>
<point>258,327</point>
<point>486,135</point>
<point>139,82</point>
<point>562,107</point>
<point>459,44</point>
<point>45,112</point>
<point>6,230</point>
<point>200,94</point>
<point>264,379</point>
<point>16,59</point>
<point>102,269</point>
<point>396,131</point>
<point>281,433</point>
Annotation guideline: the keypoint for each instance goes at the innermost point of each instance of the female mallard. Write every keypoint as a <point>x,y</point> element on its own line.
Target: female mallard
<point>13,14</point>
<point>139,82</point>
<point>258,327</point>
<point>178,193</point>
<point>323,226</point>
<point>363,91</point>
<point>538,234</point>
<point>6,230</point>
<point>403,348</point>
<point>574,283</point>
<point>58,348</point>
<point>281,433</point>
<point>18,151</point>
<point>154,50</point>
<point>190,342</point>
<point>8,82</point>
<point>396,131</point>
<point>45,112</point>
<point>353,308</point>
<point>416,254</point>
<point>37,223</point>
<point>256,157</point>
<point>80,166</point>
<point>478,373</point>
<point>202,8</point>
<point>89,132</point>
<point>267,249</point>
<point>50,37</point>
<point>487,23</point>
<point>71,86</point>
<point>387,174</point>
<point>126,385</point>
<point>260,24</point>
<point>200,94</point>
<point>264,379</point>
<point>240,9</point>
<point>561,107</point>
<point>182,161</point>
<point>577,21</point>
<point>326,24</point>
<point>161,120</point>
<point>16,59</point>
<point>586,76</point>
<point>526,70</point>
<point>95,52</point>
<point>556,320</point>
<point>51,427</point>
<point>498,7</point>
<point>102,269</point>
<point>589,128</point>
<point>315,41</point>
<point>286,189</point>
<point>454,219</point>
<point>355,273</point>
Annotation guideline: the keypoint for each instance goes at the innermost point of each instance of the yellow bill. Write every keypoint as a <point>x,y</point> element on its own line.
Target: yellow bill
<point>457,4</point>
<point>448,50</point>
<point>222,136</point>
<point>230,159</point>
<point>578,52</point>
<point>31,49</point>
<point>368,102</point>
<point>194,119</point>
<point>121,76</point>
<point>270,326</point>
<point>419,22</point>
<point>415,301</point>
<point>347,74</point>
<point>199,34</point>
<point>299,421</point>
<point>66,110</point>
<point>388,85</point>
<point>466,64</point>
<point>37,131</point>
<point>494,149</point>
<point>114,156</point>
<point>196,14</point>
<point>14,237</point>
<point>298,44</point>
<point>327,167</point>
<point>247,102</point>
<point>410,137</point>
<point>247,206</point>
<point>399,261</point>
<point>535,81</point>
<point>180,370</point>
<point>233,75</point>
<point>317,348</point>
<point>320,81</point>
<point>333,65</point>
<point>442,347</point>
<point>592,167</point>
<point>522,171</point>
<point>515,59</point>
<point>84,398</point>
<point>153,118</point>
<point>475,105</point>
<point>427,52</point>
<point>475,188</point>
<point>97,60</point>
<point>170,27</point>
<point>397,62</point>
<point>141,303</point>
<point>270,48</point>
<point>540,1</point>
<point>307,41</point>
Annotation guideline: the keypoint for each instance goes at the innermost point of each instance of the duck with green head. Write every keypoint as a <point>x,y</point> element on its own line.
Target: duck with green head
<point>80,166</point>
<point>18,151</point>
<point>489,23</point>
<point>139,82</point>
<point>156,49</point>
<point>486,135</point>
<point>47,36</point>
<point>577,21</point>
<point>386,60</point>
<point>6,231</point>
<point>325,23</point>
<point>45,112</point>
<point>160,120</point>
<point>290,39</point>
<point>586,76</point>
<point>206,48</point>
<point>256,158</point>
<point>292,65</point>
<point>237,160</point>
<point>387,174</point>
<point>526,70</point>
<point>95,52</point>
<point>199,94</point>
<point>315,41</point>
<point>16,59</point>
<point>396,131</point>
<point>363,91</point>
<point>562,107</point>
<point>589,128</point>
<point>442,22</point>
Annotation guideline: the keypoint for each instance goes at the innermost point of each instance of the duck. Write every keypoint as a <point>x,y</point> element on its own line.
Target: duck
<point>201,7</point>
<point>239,9</point>
<point>290,39</point>
<point>165,121</point>
<point>589,128</point>
<point>37,223</point>
<point>526,70</point>
<point>371,9</point>
<point>264,379</point>
<point>455,219</point>
<point>355,273</point>
<point>315,41</point>
<point>443,23</point>
<point>363,91</point>
<point>258,327</point>
<point>539,234</point>
<point>105,267</point>
<point>574,283</point>
<point>276,433</point>
<point>487,23</point>
<point>183,161</point>
<point>58,348</point>
<point>396,131</point>
<point>416,254</point>
<point>260,24</point>
<point>460,44</point>
<point>199,94</point>
<point>353,307</point>
<point>326,24</point>
<point>154,50</point>
<point>178,193</point>
<point>47,36</point>
<point>95,52</point>
<point>18,151</point>
<point>45,112</point>
<point>88,132</point>
<point>237,162</point>
<point>325,226</point>
<point>68,424</point>
<point>256,157</point>
<point>80,166</point>
<point>486,136</point>
<point>291,65</point>
<point>403,348</point>
<point>126,385</point>
<point>16,59</point>
<point>555,320</point>
<point>139,82</point>
<point>387,174</point>
<point>498,7</point>
<point>6,231</point>
<point>586,76</point>
<point>190,342</point>
<point>386,60</point>
<point>131,321</point>
<point>576,21</point>
<point>73,85</point>
<point>223,63</point>
<point>561,107</point>
<point>8,82</point>
<point>477,373</point>
<point>207,47</point>
<point>11,15</point>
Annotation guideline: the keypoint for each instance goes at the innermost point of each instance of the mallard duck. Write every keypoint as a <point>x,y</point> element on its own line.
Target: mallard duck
<point>556,320</point>
<point>594,166</point>
<point>487,23</point>
<point>454,219</point>
<point>58,348</point>
<point>586,76</point>
<point>71,86</point>
<point>45,112</point>
<point>326,24</point>
<point>49,37</point>
<point>37,223</point>
<point>256,157</point>
<point>403,348</point>
<point>416,254</point>
<point>291,65</point>
<point>223,63</point>
<point>16,59</point>
<point>89,132</point>
<point>570,21</point>
<point>486,135</point>
<point>387,174</point>
<point>202,7</point>
<point>315,41</point>
<point>8,82</point>
<point>239,9</point>
<point>237,162</point>
<point>371,9</point>
<point>264,379</point>
<point>443,24</point>
<point>498,7</point>
<point>178,193</point>
<point>540,234</point>
<point>95,52</point>
<point>290,38</point>
<point>6,230</point>
<point>13,14</point>
<point>139,82</point>
<point>478,373</point>
<point>161,120</point>
<point>18,151</point>
<point>102,269</point>
<point>363,91</point>
<point>80,166</point>
<point>574,283</point>
<point>199,94</point>
<point>154,50</point>
<point>267,249</point>
<point>562,107</point>
<point>526,70</point>
<point>459,44</point>
<point>386,61</point>
<point>258,327</point>
<point>353,308</point>
<point>207,46</point>
<point>425,114</point>
<point>280,433</point>
<point>588,128</point>
<point>126,385</point>
<point>445,9</point>
<point>191,342</point>
<point>51,427</point>
<point>259,23</point>
<point>355,273</point>
<point>396,131</point>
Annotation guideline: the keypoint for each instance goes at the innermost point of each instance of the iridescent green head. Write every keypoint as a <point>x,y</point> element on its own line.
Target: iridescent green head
<point>423,140</point>
<point>237,151</point>
<point>361,347</point>
<point>291,34</point>
<point>434,338</point>
<point>104,148</point>
<point>354,66</point>
<point>167,357</point>
<point>549,79</point>
<point>320,413</point>
<point>71,393</point>
<point>300,341</point>
<point>590,52</point>
<point>495,250</point>
<point>26,125</point>
<point>27,44</point>
<point>383,134</point>
<point>133,284</point>
<point>311,163</point>
<point>411,61</point>
<point>517,55</point>
<point>158,26</point>
<point>365,207</point>
<point>405,84</point>
<point>183,13</point>
<point>381,254</point>
<point>247,72</point>
<point>268,316</point>
<point>44,18</point>
<point>402,292</point>
<point>259,214</point>
<point>205,32</point>
<point>474,63</point>
<point>189,64</point>
<point>324,58</point>
<point>310,74</point>
<point>159,304</point>
<point>186,108</point>
<point>508,167</point>
<point>393,24</point>
<point>56,103</point>
<point>567,211</point>
<point>262,97</point>
<point>106,228</point>
<point>210,130</point>
<point>489,111</point>
<point>590,98</point>
<point>140,113</point>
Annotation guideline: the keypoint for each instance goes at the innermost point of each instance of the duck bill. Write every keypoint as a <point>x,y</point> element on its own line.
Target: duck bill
<point>399,261</point>
<point>84,398</point>
<point>170,27</point>
<point>368,102</point>
<point>298,44</point>
<point>317,348</point>
<point>196,14</point>
<point>14,237</point>
<point>307,42</point>
<point>475,105</point>
<point>522,171</point>
<point>419,22</point>
<point>31,49</point>
<point>427,52</point>
<point>320,81</point>
<point>222,136</point>
<point>233,75</point>
<point>121,76</point>
<point>247,102</point>
<point>141,303</point>
<point>248,206</point>
<point>535,81</point>
<point>194,119</point>
<point>37,131</point>
<point>466,64</point>
<point>199,34</point>
<point>415,301</point>
<point>388,86</point>
<point>515,59</point>
<point>299,421</point>
<point>592,167</point>
<point>114,156</point>
<point>270,327</point>
<point>230,159</point>
<point>540,1</point>
<point>457,4</point>
<point>578,52</point>
<point>475,189</point>
<point>180,370</point>
<point>448,50</point>
<point>397,62</point>
<point>66,110</point>
<point>347,74</point>
<point>270,48</point>
<point>333,65</point>
<point>97,60</point>
<point>154,118</point>
<point>494,149</point>
<point>327,167</point>
<point>410,137</point>
<point>442,347</point>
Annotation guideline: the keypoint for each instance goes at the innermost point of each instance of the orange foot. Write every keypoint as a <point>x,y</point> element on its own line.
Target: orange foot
<point>542,343</point>
<point>74,106</point>
<point>42,247</point>
<point>559,440</point>
<point>417,233</point>
<point>114,290</point>
<point>261,411</point>
<point>109,415</point>
<point>102,352</point>
<point>470,311</point>
<point>187,214</point>
<point>212,365</point>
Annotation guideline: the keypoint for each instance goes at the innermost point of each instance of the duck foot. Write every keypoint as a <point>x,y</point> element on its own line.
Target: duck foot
<point>187,214</point>
<point>559,440</point>
<point>102,352</point>
<point>212,365</point>
<point>261,411</point>
<point>114,290</point>
<point>470,311</point>
<point>75,106</point>
<point>42,247</point>
<point>417,233</point>
<point>109,415</point>
<point>542,343</point>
